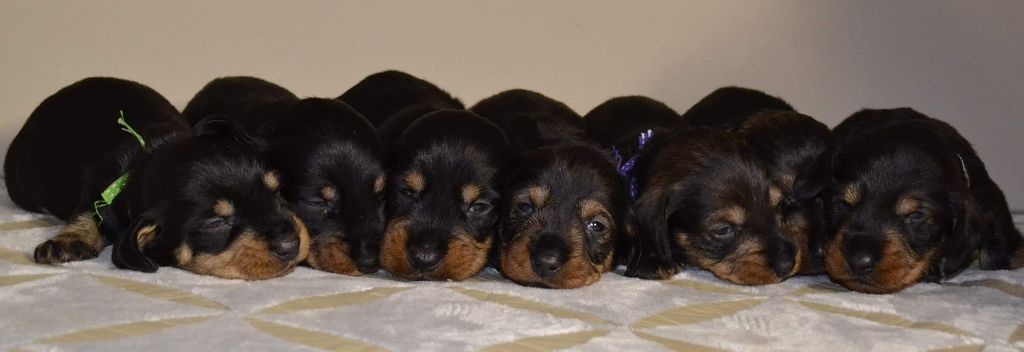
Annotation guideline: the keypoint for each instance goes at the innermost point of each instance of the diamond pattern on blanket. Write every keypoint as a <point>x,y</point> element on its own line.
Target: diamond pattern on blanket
<point>92,306</point>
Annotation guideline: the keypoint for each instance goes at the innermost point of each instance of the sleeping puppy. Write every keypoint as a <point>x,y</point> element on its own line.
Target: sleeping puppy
<point>563,215</point>
<point>446,170</point>
<point>706,200</point>
<point>912,202</point>
<point>391,100</point>
<point>332,168</point>
<point>203,201</point>
<point>797,150</point>
<point>236,96</point>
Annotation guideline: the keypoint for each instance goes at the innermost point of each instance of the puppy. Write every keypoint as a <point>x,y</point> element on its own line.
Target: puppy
<point>563,215</point>
<point>391,100</point>
<point>706,199</point>
<point>619,120</point>
<point>912,202</point>
<point>332,168</point>
<point>203,201</point>
<point>446,170</point>
<point>236,96</point>
<point>797,150</point>
<point>730,106</point>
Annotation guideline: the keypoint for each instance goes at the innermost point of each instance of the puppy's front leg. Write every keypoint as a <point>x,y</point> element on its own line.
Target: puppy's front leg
<point>80,239</point>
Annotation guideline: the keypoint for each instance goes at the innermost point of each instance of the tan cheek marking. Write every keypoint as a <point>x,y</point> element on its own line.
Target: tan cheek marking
<point>415,182</point>
<point>465,257</point>
<point>906,205</point>
<point>378,184</point>
<point>774,196</point>
<point>470,193</point>
<point>247,257</point>
<point>328,193</point>
<point>851,195</point>
<point>745,266</point>
<point>271,180</point>
<point>330,254</point>
<point>393,256</point>
<point>538,195</point>
<point>223,208</point>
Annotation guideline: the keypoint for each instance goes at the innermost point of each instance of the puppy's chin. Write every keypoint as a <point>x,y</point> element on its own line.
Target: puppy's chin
<point>897,268</point>
<point>331,254</point>
<point>463,258</point>
<point>578,271</point>
<point>247,258</point>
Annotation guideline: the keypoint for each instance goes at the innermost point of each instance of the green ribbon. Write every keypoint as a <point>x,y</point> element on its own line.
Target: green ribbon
<point>115,188</point>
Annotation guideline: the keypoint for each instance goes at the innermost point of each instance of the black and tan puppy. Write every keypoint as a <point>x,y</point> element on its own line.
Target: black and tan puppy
<point>443,183</point>
<point>204,201</point>
<point>332,168</point>
<point>706,199</point>
<point>236,96</point>
<point>391,100</point>
<point>797,150</point>
<point>912,202</point>
<point>564,216</point>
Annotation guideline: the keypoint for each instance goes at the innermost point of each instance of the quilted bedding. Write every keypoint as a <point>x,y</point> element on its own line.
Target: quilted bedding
<point>91,306</point>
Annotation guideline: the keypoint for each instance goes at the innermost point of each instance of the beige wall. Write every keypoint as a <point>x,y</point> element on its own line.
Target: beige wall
<point>959,61</point>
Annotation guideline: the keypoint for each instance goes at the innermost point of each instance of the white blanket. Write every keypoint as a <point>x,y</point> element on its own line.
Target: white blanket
<point>91,306</point>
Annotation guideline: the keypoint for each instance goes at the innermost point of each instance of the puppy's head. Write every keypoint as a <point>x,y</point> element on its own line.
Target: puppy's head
<point>210,205</point>
<point>441,197</point>
<point>562,218</point>
<point>332,167</point>
<point>798,153</point>
<point>901,211</point>
<point>708,201</point>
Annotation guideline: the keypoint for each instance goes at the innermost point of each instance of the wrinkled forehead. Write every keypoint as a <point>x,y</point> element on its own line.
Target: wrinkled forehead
<point>729,183</point>
<point>455,164</point>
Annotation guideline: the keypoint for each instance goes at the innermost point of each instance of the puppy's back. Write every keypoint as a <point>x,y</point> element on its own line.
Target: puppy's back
<point>730,106</point>
<point>236,96</point>
<point>75,128</point>
<point>532,120</point>
<point>381,95</point>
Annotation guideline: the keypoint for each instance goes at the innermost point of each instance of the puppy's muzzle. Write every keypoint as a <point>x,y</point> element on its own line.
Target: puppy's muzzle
<point>548,256</point>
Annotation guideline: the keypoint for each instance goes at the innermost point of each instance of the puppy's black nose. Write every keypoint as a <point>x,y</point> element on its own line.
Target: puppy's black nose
<point>784,260</point>
<point>285,249</point>
<point>549,254</point>
<point>546,263</point>
<point>861,263</point>
<point>367,264</point>
<point>424,258</point>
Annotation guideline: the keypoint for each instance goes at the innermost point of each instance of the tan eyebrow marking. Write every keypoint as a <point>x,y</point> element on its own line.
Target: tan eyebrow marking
<point>329,193</point>
<point>378,184</point>
<point>906,205</point>
<point>415,182</point>
<point>851,194</point>
<point>538,195</point>
<point>590,208</point>
<point>774,195</point>
<point>223,208</point>
<point>470,193</point>
<point>733,214</point>
<point>271,181</point>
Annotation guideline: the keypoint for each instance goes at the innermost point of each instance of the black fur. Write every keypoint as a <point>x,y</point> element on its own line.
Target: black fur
<point>166,209</point>
<point>236,96</point>
<point>383,95</point>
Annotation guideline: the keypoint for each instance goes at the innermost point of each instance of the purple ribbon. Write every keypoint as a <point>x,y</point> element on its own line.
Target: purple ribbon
<point>625,167</point>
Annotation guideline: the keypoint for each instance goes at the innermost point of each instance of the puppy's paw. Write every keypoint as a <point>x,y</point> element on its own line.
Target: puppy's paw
<point>61,250</point>
<point>651,268</point>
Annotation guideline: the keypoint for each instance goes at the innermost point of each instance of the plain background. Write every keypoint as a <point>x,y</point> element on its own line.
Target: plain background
<point>962,62</point>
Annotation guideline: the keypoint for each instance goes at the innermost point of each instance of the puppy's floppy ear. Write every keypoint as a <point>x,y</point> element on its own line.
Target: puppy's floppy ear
<point>222,127</point>
<point>129,248</point>
<point>651,250</point>
<point>814,177</point>
<point>960,246</point>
